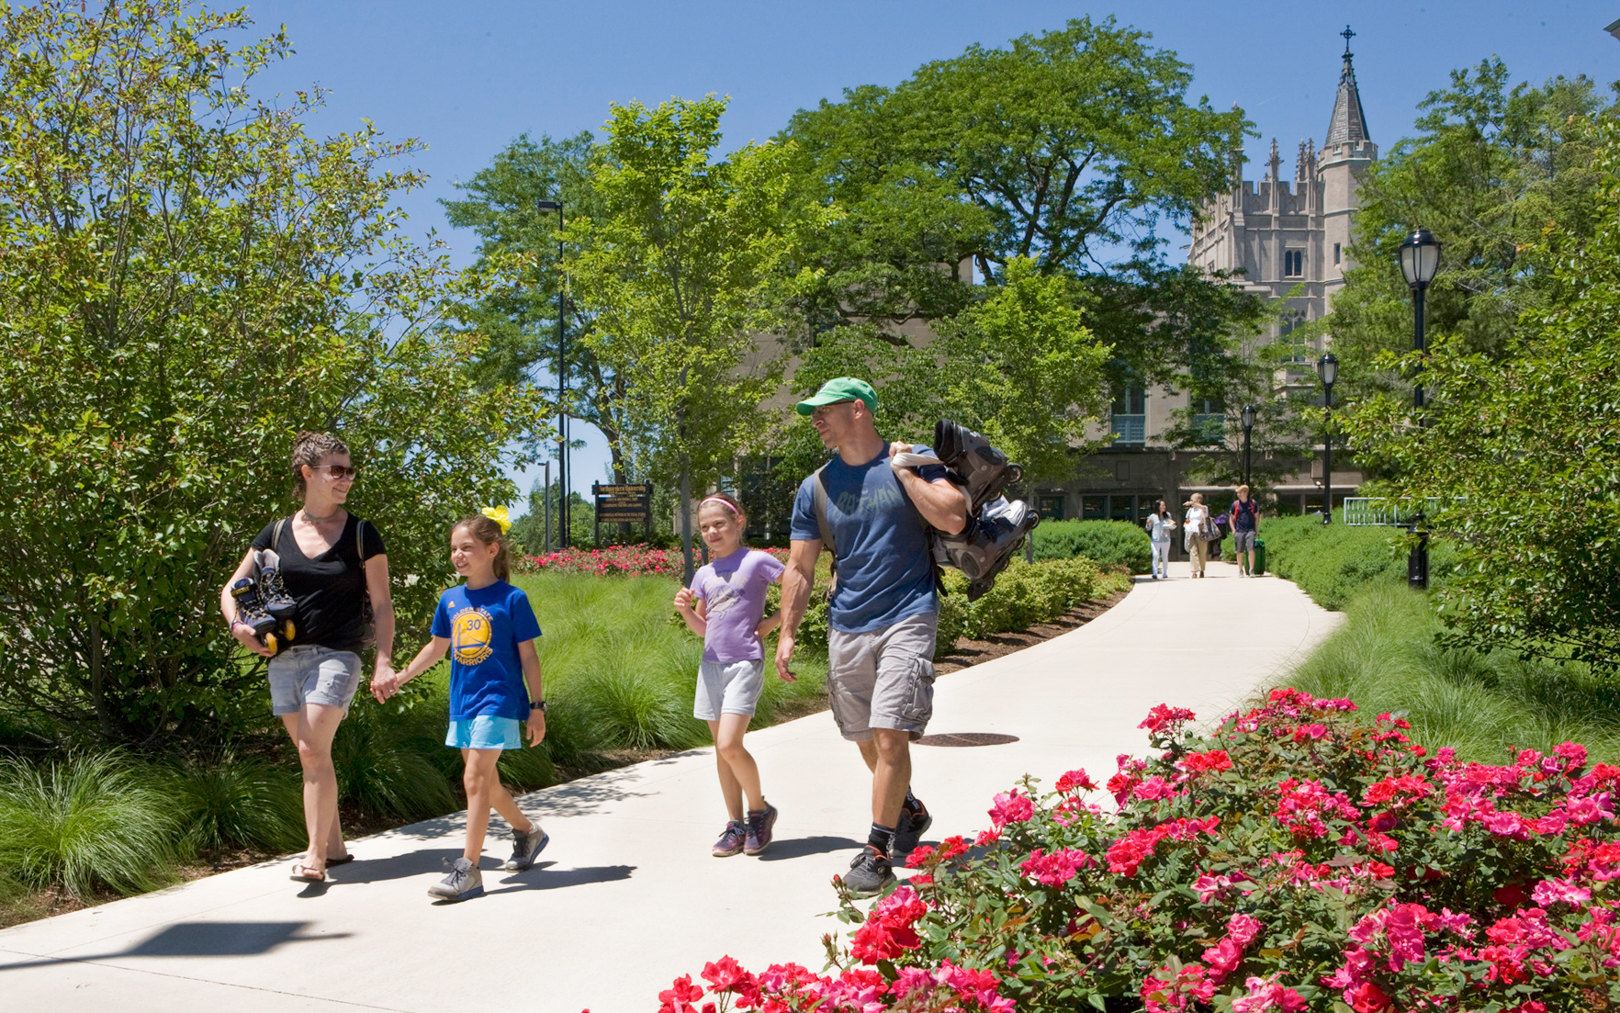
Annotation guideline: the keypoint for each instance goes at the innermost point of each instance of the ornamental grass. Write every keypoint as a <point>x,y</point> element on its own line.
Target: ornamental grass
<point>1298,857</point>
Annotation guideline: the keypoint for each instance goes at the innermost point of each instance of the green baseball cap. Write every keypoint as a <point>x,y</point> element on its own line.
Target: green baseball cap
<point>843,388</point>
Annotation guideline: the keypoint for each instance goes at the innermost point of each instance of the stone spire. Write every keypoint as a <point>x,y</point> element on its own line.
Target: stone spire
<point>1349,123</point>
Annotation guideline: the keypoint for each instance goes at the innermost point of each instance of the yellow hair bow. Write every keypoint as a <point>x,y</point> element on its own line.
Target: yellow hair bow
<point>499,516</point>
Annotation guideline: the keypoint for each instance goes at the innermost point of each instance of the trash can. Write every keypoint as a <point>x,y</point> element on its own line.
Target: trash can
<point>1259,557</point>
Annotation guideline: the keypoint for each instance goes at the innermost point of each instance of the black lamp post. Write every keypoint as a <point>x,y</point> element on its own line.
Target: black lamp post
<point>1420,261</point>
<point>1247,416</point>
<point>562,387</point>
<point>1327,367</point>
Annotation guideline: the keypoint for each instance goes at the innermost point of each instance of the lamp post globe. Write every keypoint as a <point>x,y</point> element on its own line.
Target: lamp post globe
<point>1247,417</point>
<point>1327,367</point>
<point>563,533</point>
<point>1420,262</point>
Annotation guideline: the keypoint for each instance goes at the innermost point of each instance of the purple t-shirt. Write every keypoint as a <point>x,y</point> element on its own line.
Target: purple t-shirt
<point>732,589</point>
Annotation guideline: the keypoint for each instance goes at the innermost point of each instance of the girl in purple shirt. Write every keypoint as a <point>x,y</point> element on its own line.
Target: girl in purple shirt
<point>726,607</point>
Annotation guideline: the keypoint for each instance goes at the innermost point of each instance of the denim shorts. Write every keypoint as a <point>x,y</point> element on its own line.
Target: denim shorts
<point>309,673</point>
<point>883,678</point>
<point>485,731</point>
<point>728,687</point>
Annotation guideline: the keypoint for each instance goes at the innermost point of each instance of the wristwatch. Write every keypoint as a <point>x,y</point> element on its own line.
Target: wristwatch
<point>537,705</point>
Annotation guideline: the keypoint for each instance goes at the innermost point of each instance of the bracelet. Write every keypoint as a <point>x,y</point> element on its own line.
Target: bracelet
<point>537,705</point>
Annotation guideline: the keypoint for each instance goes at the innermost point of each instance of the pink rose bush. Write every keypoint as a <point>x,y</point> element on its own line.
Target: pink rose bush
<point>614,561</point>
<point>1297,857</point>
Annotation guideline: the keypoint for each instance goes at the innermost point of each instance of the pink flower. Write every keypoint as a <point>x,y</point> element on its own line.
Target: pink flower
<point>1011,807</point>
<point>1075,780</point>
<point>1164,716</point>
<point>1264,995</point>
<point>1055,869</point>
<point>1554,891</point>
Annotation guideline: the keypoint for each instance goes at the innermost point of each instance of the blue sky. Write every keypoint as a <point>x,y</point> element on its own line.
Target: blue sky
<point>467,78</point>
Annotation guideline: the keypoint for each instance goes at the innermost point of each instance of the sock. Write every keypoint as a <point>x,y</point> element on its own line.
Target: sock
<point>881,838</point>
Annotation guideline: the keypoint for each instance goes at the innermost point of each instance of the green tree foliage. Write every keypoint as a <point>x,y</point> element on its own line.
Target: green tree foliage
<point>1498,172</point>
<point>682,267</point>
<point>190,280</point>
<point>520,258</point>
<point>1068,149</point>
<point>1521,443</point>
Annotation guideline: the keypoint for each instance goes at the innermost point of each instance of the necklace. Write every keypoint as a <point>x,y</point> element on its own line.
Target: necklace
<point>311,517</point>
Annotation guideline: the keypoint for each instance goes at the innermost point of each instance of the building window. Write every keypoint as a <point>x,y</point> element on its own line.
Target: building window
<point>1293,263</point>
<point>1208,420</point>
<point>1050,506</point>
<point>1335,253</point>
<point>1130,415</point>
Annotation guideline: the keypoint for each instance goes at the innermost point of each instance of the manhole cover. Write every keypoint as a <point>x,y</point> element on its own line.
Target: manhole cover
<point>966,739</point>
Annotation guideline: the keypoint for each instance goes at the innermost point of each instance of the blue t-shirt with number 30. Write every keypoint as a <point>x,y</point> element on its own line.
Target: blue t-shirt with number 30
<point>485,628</point>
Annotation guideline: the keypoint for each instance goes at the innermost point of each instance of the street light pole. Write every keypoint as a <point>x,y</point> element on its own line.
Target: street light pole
<point>1247,415</point>
<point>563,540</point>
<point>1327,367</point>
<point>1420,261</point>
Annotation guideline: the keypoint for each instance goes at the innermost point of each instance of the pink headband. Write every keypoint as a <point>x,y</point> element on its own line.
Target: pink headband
<point>724,503</point>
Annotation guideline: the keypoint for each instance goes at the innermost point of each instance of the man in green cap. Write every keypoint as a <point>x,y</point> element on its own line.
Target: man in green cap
<point>884,611</point>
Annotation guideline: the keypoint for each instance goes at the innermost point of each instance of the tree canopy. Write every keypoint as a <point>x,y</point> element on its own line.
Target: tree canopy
<point>190,280</point>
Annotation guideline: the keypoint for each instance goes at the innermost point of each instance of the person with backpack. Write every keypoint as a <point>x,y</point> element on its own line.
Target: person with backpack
<point>883,615</point>
<point>1245,528</point>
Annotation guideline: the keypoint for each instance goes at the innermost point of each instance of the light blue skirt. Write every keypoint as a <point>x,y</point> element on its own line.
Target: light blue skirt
<point>486,731</point>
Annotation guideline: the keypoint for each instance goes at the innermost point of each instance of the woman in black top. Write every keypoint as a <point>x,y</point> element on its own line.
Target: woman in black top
<point>330,561</point>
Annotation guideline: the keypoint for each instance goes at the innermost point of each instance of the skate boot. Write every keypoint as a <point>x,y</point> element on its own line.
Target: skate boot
<point>273,594</point>
<point>983,471</point>
<point>250,611</point>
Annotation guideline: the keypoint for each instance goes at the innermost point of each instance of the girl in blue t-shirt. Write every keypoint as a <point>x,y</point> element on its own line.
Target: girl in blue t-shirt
<point>489,630</point>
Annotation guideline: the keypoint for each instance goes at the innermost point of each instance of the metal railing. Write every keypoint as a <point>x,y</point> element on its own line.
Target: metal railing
<point>1130,428</point>
<point>1379,511</point>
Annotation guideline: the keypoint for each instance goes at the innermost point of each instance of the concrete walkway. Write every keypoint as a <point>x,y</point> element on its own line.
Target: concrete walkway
<point>626,897</point>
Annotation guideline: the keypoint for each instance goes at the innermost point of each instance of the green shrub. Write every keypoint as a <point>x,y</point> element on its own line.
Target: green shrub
<point>1107,543</point>
<point>82,823</point>
<point>1332,562</point>
<point>1389,656</point>
<point>1024,594</point>
<point>228,801</point>
<point>391,758</point>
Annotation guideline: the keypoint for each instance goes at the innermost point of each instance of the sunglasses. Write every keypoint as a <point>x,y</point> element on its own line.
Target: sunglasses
<point>337,471</point>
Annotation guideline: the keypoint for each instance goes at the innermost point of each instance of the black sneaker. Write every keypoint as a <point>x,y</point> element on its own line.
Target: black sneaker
<point>913,824</point>
<point>463,882</point>
<point>760,822</point>
<point>525,846</point>
<point>869,873</point>
<point>731,842</point>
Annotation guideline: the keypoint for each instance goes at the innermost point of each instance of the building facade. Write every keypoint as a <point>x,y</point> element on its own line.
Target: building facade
<point>1284,239</point>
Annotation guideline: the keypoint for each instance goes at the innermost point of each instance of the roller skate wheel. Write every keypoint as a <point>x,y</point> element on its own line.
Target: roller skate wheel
<point>291,630</point>
<point>271,643</point>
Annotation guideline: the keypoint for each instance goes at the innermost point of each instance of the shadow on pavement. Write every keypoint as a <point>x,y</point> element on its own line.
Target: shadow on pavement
<point>783,849</point>
<point>199,939</point>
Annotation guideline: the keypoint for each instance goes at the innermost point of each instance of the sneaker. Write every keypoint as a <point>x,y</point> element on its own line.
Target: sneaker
<point>463,882</point>
<point>524,847</point>
<point>731,842</point>
<point>913,824</point>
<point>869,873</point>
<point>760,822</point>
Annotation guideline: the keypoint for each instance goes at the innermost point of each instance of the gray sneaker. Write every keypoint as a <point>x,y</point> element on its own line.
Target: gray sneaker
<point>525,846</point>
<point>464,882</point>
<point>909,833</point>
<point>731,842</point>
<point>760,823</point>
<point>869,873</point>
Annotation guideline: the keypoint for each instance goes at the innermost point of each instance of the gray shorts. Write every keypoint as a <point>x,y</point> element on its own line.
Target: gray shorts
<point>728,687</point>
<point>1243,541</point>
<point>884,678</point>
<point>309,673</point>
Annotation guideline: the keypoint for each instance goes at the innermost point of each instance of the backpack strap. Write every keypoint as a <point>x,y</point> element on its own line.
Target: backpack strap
<point>818,503</point>
<point>360,541</point>
<point>275,536</point>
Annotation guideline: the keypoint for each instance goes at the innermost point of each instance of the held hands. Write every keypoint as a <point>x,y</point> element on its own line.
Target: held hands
<point>386,682</point>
